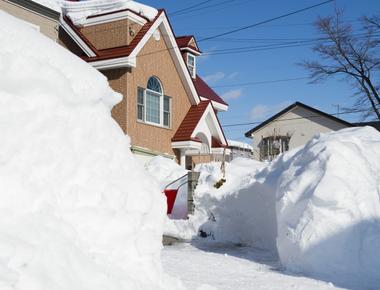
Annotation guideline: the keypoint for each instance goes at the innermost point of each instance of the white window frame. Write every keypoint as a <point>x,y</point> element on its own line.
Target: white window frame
<point>162,96</point>
<point>193,72</point>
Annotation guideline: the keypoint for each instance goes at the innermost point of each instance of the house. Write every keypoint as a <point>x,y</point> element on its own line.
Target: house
<point>290,128</point>
<point>40,17</point>
<point>239,149</point>
<point>167,109</point>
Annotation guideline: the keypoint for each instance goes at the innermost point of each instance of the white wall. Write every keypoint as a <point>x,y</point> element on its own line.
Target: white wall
<point>300,130</point>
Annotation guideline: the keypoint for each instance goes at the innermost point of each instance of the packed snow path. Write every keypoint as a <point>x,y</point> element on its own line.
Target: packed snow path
<point>232,268</point>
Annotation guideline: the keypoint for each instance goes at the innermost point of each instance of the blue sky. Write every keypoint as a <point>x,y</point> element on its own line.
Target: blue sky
<point>257,102</point>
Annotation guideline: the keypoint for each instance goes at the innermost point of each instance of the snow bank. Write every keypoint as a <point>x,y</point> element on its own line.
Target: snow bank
<point>318,206</point>
<point>230,213</point>
<point>77,210</point>
<point>328,208</point>
<point>79,11</point>
<point>165,171</point>
<point>235,212</point>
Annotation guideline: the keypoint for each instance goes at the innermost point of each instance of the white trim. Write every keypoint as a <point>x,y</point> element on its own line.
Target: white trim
<point>113,63</point>
<point>188,49</point>
<point>179,62</point>
<point>186,145</point>
<point>210,110</point>
<point>115,17</point>
<point>76,38</point>
<point>218,106</point>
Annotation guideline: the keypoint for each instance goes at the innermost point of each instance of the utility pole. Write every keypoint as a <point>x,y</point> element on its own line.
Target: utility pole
<point>337,106</point>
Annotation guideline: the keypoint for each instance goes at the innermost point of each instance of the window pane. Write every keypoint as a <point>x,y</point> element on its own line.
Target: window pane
<point>166,119</point>
<point>140,112</point>
<point>140,96</point>
<point>140,104</point>
<point>190,60</point>
<point>166,104</point>
<point>152,108</point>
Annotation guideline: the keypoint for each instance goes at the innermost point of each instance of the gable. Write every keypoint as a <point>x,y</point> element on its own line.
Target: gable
<point>126,56</point>
<point>313,114</point>
<point>299,120</point>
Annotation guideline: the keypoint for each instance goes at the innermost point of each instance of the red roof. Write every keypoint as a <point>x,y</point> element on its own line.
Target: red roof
<point>183,42</point>
<point>190,121</point>
<point>205,91</point>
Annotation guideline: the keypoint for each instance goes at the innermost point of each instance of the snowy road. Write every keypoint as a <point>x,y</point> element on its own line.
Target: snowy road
<point>231,268</point>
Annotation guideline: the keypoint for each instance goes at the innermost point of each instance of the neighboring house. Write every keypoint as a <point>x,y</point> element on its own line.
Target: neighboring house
<point>37,16</point>
<point>167,109</point>
<point>290,128</point>
<point>239,149</point>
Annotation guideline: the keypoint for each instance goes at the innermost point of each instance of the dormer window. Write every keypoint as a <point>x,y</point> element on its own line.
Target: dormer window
<point>191,65</point>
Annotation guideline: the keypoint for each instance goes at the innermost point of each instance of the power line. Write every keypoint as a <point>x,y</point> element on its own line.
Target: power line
<point>247,27</point>
<point>265,21</point>
<point>188,8</point>
<point>297,118</point>
<point>260,82</point>
<point>205,7</point>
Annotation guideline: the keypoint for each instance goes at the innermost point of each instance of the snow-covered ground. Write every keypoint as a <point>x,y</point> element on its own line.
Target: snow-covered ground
<point>226,267</point>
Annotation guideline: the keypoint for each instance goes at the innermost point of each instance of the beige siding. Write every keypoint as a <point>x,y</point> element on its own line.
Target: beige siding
<point>47,26</point>
<point>300,124</point>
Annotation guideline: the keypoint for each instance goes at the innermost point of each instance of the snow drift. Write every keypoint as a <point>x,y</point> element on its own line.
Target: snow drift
<point>234,213</point>
<point>77,211</point>
<point>328,208</point>
<point>318,206</point>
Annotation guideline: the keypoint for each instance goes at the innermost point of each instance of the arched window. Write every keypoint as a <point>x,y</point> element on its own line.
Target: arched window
<point>154,85</point>
<point>152,106</point>
<point>153,100</point>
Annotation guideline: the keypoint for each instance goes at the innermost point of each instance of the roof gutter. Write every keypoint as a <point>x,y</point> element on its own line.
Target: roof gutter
<point>113,63</point>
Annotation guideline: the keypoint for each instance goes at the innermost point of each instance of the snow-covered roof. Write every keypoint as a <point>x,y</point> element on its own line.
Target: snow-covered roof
<point>78,11</point>
<point>233,143</point>
<point>51,4</point>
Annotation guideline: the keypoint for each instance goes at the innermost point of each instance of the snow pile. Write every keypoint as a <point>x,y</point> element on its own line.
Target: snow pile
<point>165,171</point>
<point>328,208</point>
<point>79,11</point>
<point>234,212</point>
<point>77,210</point>
<point>318,206</point>
<point>228,214</point>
